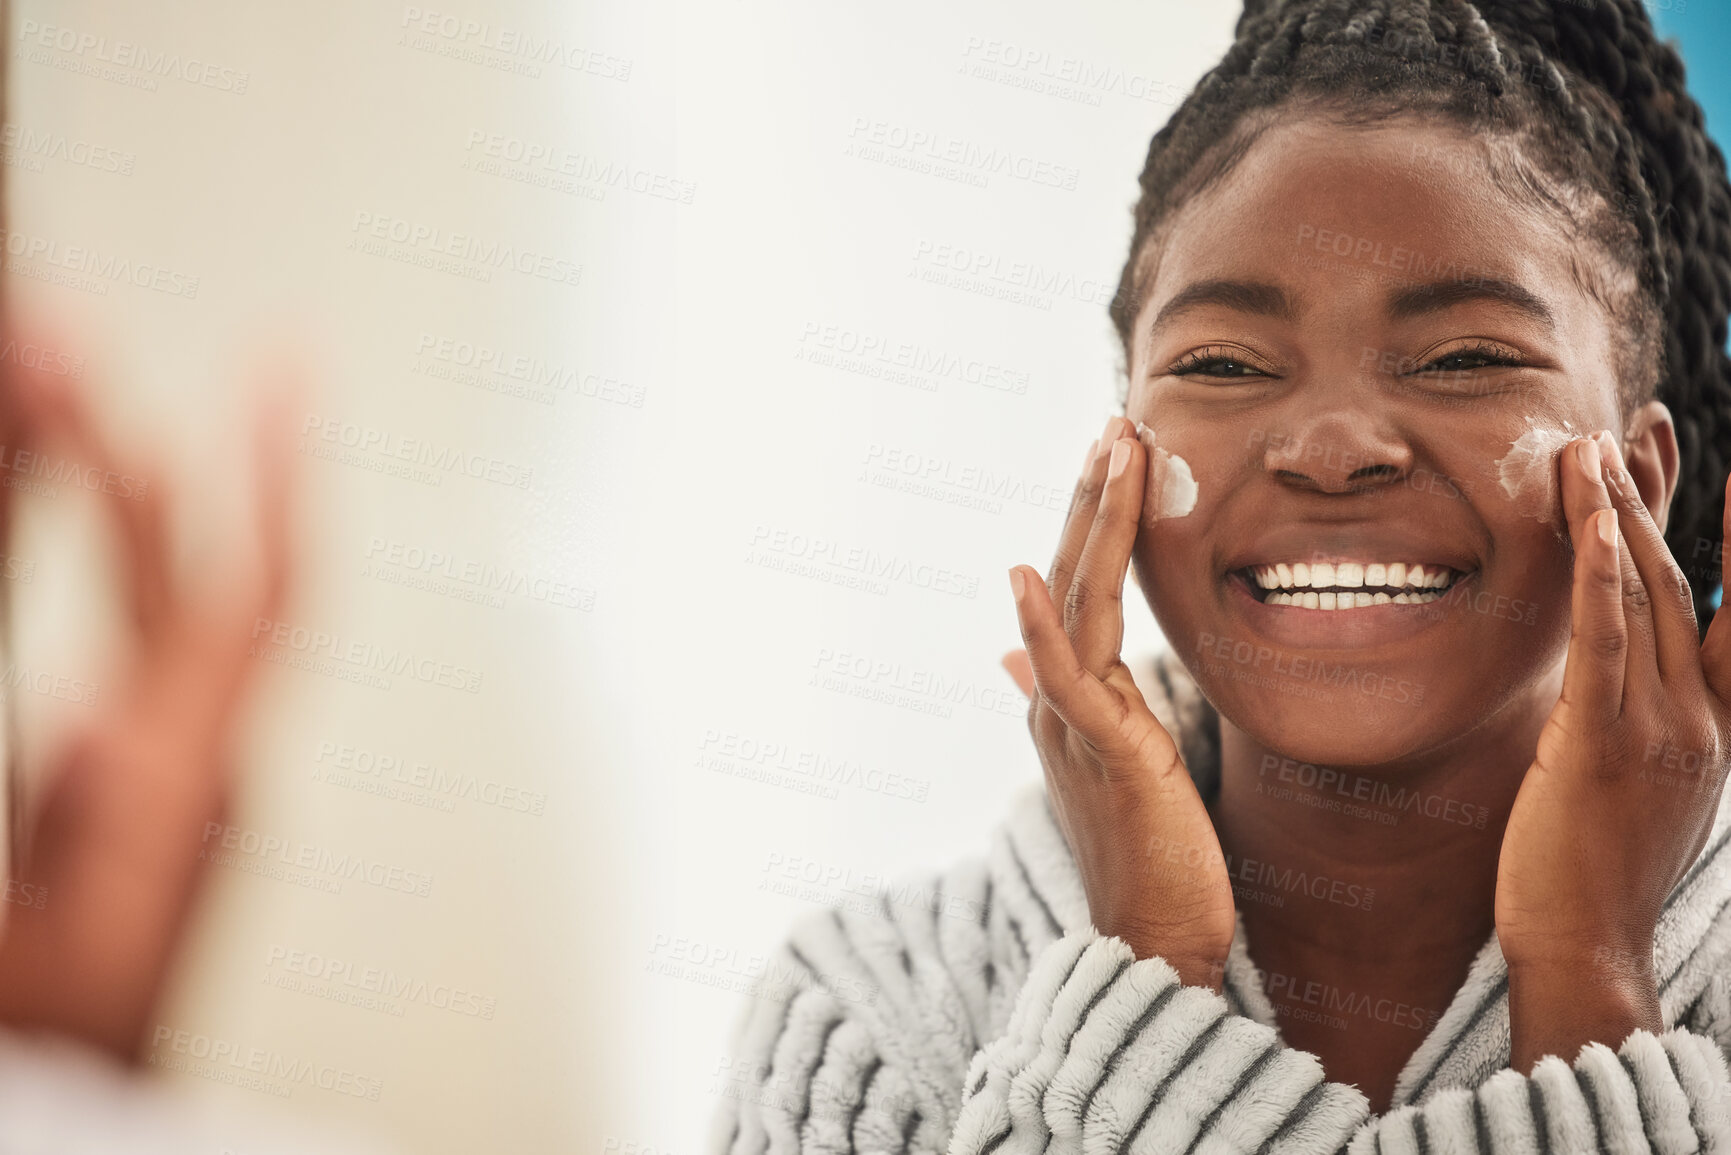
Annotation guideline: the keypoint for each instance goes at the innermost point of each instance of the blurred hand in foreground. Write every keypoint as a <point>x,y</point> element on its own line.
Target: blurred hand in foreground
<point>115,842</point>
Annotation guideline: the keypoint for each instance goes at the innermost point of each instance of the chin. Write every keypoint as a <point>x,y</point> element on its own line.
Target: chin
<point>1326,712</point>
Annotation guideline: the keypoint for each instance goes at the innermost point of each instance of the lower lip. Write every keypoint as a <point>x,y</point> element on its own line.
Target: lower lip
<point>1356,628</point>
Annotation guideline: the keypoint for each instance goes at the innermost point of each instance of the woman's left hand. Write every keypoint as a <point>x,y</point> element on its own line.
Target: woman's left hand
<point>1621,796</point>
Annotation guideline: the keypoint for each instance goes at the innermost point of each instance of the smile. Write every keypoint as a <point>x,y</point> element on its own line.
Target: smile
<point>1347,585</point>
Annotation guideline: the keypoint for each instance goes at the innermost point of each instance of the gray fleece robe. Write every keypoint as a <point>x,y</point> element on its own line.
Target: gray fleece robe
<point>978,1012</point>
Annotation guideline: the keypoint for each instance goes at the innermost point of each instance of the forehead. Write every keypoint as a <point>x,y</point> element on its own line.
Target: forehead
<point>1364,211</point>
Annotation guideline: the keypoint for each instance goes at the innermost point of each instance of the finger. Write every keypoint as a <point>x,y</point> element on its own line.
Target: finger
<point>226,637</point>
<point>1593,672</point>
<point>56,409</point>
<point>1585,491</point>
<point>1716,647</point>
<point>1016,662</point>
<point>276,475</point>
<point>1082,702</point>
<point>1671,608</point>
<point>1079,521</point>
<point>1094,606</point>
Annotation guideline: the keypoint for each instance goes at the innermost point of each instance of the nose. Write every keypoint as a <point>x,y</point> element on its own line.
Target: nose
<point>1338,452</point>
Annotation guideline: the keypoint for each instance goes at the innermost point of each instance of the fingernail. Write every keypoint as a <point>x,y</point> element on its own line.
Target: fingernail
<point>1088,457</point>
<point>1111,429</point>
<point>1120,458</point>
<point>1016,583</point>
<point>1587,452</point>
<point>1607,526</point>
<point>1608,447</point>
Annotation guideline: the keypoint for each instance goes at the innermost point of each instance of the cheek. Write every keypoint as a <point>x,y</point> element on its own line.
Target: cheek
<point>1170,489</point>
<point>1525,478</point>
<point>1172,565</point>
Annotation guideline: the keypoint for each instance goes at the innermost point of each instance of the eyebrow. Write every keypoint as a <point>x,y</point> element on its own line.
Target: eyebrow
<point>1257,297</point>
<point>1438,295</point>
<point>1263,299</point>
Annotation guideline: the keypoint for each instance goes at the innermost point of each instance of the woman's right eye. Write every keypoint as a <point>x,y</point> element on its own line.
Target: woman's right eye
<point>1213,363</point>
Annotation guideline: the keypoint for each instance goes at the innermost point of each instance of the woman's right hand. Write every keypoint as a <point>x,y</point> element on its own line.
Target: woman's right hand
<point>1144,844</point>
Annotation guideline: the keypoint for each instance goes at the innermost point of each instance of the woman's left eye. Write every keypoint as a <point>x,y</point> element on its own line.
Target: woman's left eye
<point>1464,360</point>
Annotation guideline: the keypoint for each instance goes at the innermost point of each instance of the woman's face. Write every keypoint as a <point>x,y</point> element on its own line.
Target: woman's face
<point>1369,363</point>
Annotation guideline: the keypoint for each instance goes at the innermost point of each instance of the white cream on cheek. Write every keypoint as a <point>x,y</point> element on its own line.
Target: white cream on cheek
<point>1528,472</point>
<point>1171,488</point>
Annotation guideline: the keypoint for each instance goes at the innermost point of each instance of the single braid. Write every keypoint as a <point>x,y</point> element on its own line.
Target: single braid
<point>1598,104</point>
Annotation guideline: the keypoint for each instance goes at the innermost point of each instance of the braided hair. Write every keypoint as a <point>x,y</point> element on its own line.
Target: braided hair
<point>1597,105</point>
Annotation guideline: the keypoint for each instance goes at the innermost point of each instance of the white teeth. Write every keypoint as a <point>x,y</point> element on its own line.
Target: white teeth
<point>1349,584</point>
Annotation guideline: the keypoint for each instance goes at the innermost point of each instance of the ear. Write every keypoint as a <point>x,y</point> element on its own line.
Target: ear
<point>1650,452</point>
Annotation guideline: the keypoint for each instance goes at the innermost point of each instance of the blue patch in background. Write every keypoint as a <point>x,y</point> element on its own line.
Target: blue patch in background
<point>1701,31</point>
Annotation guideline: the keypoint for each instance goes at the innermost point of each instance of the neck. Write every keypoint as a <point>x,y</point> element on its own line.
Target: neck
<point>1360,868</point>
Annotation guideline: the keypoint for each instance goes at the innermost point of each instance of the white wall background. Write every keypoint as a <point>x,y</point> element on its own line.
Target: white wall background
<point>821,330</point>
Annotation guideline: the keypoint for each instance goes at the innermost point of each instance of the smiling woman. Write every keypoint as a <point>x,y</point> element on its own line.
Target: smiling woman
<point>1428,301</point>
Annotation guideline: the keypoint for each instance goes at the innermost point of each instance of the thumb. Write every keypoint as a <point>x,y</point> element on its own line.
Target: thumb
<point>1016,662</point>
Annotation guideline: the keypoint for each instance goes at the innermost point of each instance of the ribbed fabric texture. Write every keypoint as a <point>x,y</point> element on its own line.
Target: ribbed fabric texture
<point>995,1020</point>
